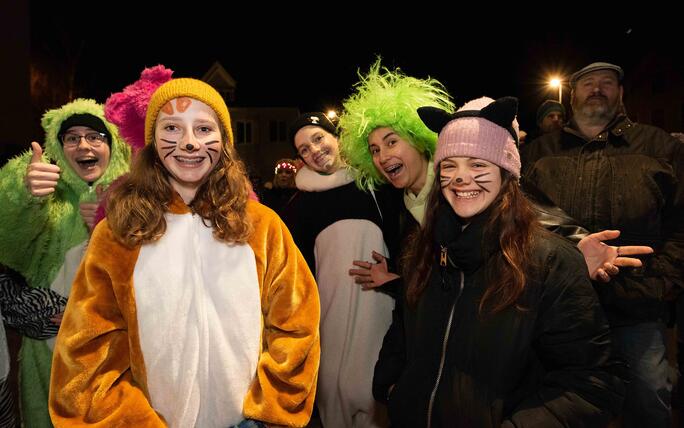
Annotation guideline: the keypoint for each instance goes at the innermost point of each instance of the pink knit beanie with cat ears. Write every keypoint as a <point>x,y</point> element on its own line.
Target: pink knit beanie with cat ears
<point>483,128</point>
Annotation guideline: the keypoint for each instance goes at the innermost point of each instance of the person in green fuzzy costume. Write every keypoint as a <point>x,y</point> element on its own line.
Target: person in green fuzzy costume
<point>48,205</point>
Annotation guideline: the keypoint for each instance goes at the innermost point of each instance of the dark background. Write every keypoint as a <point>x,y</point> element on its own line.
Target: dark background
<point>308,57</point>
<point>311,63</point>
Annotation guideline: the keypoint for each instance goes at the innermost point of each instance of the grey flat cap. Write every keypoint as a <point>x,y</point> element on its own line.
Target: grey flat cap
<point>596,66</point>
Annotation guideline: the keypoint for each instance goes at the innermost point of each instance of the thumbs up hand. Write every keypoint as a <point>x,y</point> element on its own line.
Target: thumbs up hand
<point>37,152</point>
<point>41,177</point>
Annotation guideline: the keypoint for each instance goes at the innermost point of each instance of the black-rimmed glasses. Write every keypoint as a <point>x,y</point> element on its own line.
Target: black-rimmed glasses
<point>71,139</point>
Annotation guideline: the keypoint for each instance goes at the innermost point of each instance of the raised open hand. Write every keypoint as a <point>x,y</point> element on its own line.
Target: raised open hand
<point>604,261</point>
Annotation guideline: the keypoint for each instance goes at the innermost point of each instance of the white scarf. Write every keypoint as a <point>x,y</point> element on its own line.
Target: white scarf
<point>416,203</point>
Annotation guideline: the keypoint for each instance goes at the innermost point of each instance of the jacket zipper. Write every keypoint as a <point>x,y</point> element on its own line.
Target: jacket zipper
<point>444,347</point>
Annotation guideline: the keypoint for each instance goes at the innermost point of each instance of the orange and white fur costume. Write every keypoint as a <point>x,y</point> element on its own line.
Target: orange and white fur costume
<point>188,330</point>
<point>119,311</point>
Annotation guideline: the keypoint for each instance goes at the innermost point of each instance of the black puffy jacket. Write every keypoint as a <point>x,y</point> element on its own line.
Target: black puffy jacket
<point>550,366</point>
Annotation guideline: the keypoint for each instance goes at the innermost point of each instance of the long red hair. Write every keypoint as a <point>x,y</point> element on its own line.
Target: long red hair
<point>135,210</point>
<point>509,236</point>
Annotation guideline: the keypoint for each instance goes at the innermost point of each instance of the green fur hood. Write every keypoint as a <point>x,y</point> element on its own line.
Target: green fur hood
<point>36,232</point>
<point>120,152</point>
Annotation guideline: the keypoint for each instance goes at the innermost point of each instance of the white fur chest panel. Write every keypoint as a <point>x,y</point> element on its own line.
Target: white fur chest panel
<point>199,315</point>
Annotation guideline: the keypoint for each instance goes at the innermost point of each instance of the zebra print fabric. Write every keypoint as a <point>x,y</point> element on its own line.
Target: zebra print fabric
<point>29,309</point>
<point>7,416</point>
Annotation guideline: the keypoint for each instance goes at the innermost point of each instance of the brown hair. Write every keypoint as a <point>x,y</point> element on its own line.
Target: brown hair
<point>509,235</point>
<point>136,208</point>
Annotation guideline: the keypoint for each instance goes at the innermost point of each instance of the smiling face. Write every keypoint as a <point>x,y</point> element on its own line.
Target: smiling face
<point>318,148</point>
<point>89,162</point>
<point>188,140</point>
<point>470,185</point>
<point>397,160</point>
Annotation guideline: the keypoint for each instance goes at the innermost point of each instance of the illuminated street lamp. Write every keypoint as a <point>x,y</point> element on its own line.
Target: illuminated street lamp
<point>557,83</point>
<point>332,115</point>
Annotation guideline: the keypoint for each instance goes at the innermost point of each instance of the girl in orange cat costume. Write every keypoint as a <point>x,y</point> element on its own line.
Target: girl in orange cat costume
<point>193,307</point>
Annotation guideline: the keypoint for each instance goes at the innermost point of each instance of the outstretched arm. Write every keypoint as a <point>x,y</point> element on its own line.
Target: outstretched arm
<point>603,261</point>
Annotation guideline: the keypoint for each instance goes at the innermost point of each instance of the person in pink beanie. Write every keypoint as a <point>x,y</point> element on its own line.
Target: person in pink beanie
<point>498,324</point>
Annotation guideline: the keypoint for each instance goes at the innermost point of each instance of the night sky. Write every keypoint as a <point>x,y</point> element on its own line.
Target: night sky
<point>311,63</point>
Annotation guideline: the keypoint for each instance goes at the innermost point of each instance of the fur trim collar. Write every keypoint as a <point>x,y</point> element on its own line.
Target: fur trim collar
<point>309,180</point>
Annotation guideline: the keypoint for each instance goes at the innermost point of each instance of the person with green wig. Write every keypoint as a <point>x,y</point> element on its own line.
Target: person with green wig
<point>48,197</point>
<point>383,138</point>
<point>384,141</point>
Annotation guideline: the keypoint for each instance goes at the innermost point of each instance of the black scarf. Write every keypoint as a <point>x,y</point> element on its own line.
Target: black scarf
<point>463,246</point>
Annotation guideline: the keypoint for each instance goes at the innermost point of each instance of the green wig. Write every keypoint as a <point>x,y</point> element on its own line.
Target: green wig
<point>385,98</point>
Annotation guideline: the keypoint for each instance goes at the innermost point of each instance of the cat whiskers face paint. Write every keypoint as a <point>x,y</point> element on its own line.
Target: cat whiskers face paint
<point>445,181</point>
<point>170,146</point>
<point>480,183</point>
<point>469,185</point>
<point>211,150</point>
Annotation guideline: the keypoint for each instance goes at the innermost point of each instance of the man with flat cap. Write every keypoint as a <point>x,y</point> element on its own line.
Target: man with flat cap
<point>611,173</point>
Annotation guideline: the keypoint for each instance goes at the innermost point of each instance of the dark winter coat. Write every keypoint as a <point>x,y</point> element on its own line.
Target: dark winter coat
<point>630,177</point>
<point>550,365</point>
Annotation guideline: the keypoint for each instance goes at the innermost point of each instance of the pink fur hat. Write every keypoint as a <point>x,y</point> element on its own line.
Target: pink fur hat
<point>127,109</point>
